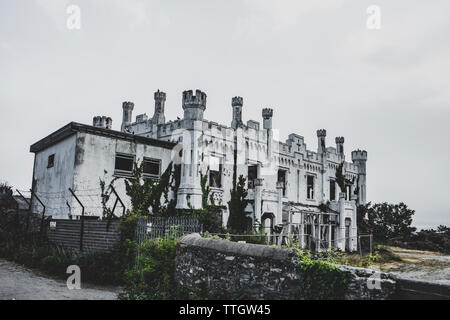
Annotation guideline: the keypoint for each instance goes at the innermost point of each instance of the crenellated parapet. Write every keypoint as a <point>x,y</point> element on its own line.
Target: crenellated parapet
<point>359,156</point>
<point>102,122</point>
<point>237,102</point>
<point>194,101</point>
<point>194,105</point>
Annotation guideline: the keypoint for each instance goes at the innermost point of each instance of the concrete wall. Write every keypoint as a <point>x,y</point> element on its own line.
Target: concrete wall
<point>265,272</point>
<point>95,155</point>
<point>80,162</point>
<point>51,184</point>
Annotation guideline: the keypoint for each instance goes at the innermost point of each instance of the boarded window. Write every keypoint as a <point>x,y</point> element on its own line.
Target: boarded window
<point>51,161</point>
<point>152,167</point>
<point>332,190</point>
<point>310,187</point>
<point>124,164</point>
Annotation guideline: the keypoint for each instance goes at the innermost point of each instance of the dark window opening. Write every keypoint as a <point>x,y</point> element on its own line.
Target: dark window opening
<point>215,177</point>
<point>282,180</point>
<point>348,193</point>
<point>51,161</point>
<point>152,167</point>
<point>252,175</point>
<point>332,190</point>
<point>310,187</point>
<point>124,164</point>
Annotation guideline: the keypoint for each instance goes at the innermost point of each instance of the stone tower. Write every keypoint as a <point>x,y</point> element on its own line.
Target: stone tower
<point>194,106</point>
<point>190,192</point>
<point>340,145</point>
<point>127,114</point>
<point>237,103</point>
<point>160,101</point>
<point>359,158</point>
<point>321,135</point>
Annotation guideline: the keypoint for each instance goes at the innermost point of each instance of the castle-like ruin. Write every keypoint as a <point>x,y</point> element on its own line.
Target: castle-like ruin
<point>288,185</point>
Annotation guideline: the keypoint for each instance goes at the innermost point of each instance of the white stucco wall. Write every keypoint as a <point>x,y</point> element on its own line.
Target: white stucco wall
<point>52,184</point>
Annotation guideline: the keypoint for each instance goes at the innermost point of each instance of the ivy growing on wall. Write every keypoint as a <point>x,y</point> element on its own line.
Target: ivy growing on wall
<point>341,180</point>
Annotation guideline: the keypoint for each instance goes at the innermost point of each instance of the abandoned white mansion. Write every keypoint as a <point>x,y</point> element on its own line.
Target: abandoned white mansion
<point>288,185</point>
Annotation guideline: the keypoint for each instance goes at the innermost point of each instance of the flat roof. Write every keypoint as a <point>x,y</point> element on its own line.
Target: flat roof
<point>74,127</point>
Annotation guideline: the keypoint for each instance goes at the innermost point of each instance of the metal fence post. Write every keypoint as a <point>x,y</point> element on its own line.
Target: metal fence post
<point>82,218</point>
<point>29,209</point>
<point>43,211</point>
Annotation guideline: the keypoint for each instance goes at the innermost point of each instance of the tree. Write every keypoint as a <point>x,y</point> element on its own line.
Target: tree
<point>236,205</point>
<point>389,221</point>
<point>341,180</point>
<point>147,192</point>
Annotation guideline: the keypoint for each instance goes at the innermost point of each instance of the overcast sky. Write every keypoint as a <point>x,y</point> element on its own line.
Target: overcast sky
<point>314,62</point>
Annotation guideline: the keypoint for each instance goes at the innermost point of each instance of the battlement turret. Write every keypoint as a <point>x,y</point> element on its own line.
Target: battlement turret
<point>194,106</point>
<point>160,100</point>
<point>359,156</point>
<point>340,145</point>
<point>237,103</point>
<point>267,115</point>
<point>127,114</point>
<point>321,135</point>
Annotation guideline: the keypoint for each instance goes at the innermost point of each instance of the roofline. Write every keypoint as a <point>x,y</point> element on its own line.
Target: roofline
<point>74,127</point>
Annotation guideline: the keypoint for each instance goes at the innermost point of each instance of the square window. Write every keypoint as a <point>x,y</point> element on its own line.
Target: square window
<point>152,168</point>
<point>51,161</point>
<point>215,177</point>
<point>124,164</point>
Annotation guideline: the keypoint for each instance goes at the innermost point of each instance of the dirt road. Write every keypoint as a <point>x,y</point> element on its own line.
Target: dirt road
<point>421,265</point>
<point>19,283</point>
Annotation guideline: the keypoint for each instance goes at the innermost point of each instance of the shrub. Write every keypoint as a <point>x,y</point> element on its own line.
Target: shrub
<point>153,276</point>
<point>320,279</point>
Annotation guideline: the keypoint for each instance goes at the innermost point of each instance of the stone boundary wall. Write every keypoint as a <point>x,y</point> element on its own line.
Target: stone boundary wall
<point>96,237</point>
<point>254,271</point>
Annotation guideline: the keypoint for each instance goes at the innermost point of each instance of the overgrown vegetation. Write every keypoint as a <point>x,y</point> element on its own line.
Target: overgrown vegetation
<point>152,277</point>
<point>34,251</point>
<point>320,277</point>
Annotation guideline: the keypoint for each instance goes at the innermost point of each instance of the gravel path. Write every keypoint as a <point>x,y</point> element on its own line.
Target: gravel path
<point>19,283</point>
<point>423,265</point>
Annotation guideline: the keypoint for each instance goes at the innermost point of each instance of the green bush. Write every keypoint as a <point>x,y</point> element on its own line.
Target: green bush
<point>153,276</point>
<point>320,279</point>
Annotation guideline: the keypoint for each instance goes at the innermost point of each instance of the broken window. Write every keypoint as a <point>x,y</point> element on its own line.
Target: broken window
<point>215,172</point>
<point>51,161</point>
<point>282,180</point>
<point>310,187</point>
<point>152,168</point>
<point>124,164</point>
<point>252,175</point>
<point>332,190</point>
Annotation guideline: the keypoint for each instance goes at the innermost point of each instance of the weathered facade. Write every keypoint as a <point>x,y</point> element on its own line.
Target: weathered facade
<point>77,156</point>
<point>289,185</point>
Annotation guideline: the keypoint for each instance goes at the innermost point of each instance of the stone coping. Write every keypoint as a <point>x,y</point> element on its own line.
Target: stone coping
<point>234,248</point>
